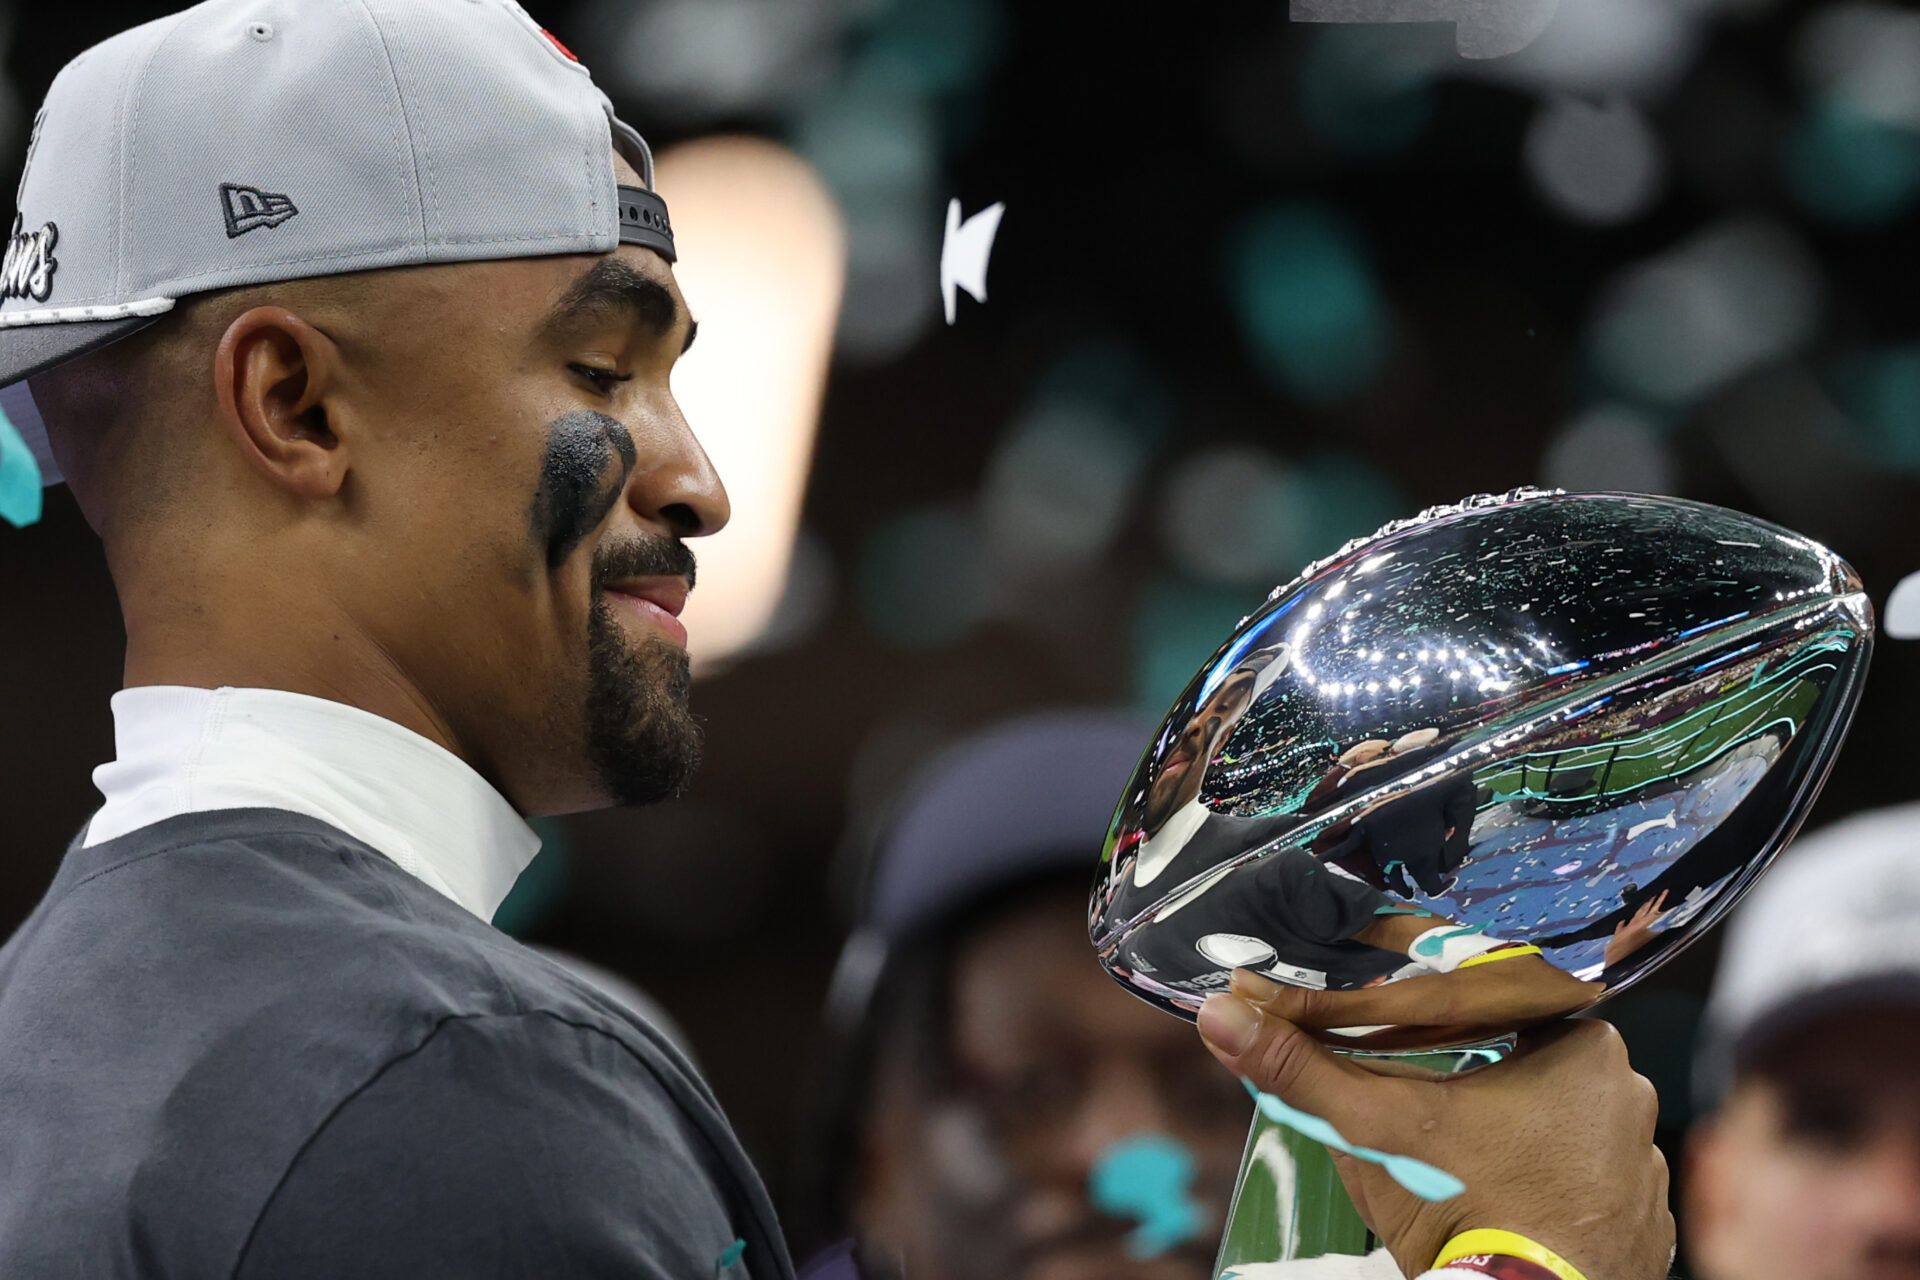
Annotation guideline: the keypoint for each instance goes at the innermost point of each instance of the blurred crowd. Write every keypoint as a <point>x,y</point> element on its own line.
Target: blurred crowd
<point>989,1105</point>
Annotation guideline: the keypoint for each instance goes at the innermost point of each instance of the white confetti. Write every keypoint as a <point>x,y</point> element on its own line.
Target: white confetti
<point>964,253</point>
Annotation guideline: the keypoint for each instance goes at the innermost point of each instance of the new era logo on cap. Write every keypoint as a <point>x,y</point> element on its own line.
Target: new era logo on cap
<point>249,208</point>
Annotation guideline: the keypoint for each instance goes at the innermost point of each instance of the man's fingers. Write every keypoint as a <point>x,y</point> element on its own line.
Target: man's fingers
<point>1229,1026</point>
<point>1580,1045</point>
<point>1318,1009</point>
<point>1502,994</point>
<point>1281,1059</point>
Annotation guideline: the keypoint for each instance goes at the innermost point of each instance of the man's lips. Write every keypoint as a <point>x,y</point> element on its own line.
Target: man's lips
<point>669,593</point>
<point>656,600</point>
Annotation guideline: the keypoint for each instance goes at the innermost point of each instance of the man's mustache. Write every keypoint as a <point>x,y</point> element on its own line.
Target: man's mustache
<point>644,558</point>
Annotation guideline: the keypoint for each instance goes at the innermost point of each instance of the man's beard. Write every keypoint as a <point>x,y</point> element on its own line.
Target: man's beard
<point>641,736</point>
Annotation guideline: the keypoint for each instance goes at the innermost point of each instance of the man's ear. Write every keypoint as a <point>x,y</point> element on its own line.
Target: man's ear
<point>273,374</point>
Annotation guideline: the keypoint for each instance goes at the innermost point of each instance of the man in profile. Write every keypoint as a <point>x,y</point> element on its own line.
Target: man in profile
<point>353,342</point>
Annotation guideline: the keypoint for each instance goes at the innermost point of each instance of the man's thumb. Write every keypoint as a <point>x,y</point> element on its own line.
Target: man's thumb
<point>1278,1057</point>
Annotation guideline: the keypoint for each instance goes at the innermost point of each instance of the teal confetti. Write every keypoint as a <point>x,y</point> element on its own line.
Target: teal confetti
<point>1433,946</point>
<point>1418,1177</point>
<point>20,481</point>
<point>728,1256</point>
<point>1403,911</point>
<point>1149,1178</point>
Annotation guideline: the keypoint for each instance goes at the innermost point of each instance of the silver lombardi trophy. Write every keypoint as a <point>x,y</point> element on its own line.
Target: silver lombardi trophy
<point>1545,735</point>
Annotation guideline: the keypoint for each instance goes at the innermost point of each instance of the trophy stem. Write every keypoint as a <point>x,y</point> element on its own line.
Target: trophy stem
<point>1288,1203</point>
<point>1288,1200</point>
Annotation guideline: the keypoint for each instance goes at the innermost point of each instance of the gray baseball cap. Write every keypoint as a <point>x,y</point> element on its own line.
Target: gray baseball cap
<point>245,141</point>
<point>1021,797</point>
<point>1835,925</point>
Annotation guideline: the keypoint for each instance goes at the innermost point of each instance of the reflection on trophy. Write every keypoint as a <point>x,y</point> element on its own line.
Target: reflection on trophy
<point>1520,750</point>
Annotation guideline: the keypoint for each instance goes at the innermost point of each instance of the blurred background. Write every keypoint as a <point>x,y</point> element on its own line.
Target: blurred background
<point>1260,286</point>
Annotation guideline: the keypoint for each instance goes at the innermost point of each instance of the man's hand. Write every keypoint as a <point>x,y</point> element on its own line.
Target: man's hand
<point>1556,1143</point>
<point>1502,995</point>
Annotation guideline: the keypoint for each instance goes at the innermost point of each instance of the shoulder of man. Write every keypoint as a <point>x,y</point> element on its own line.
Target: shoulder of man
<point>221,1002</point>
<point>514,1144</point>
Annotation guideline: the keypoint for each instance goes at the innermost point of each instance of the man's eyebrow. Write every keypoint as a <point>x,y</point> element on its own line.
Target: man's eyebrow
<point>615,289</point>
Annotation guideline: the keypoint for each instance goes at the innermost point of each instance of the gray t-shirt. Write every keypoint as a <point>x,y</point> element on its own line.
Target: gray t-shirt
<point>242,1043</point>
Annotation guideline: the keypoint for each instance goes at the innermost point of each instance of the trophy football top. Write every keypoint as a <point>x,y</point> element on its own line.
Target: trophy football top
<point>1559,734</point>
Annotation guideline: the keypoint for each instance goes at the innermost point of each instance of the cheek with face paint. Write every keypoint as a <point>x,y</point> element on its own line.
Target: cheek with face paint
<point>578,486</point>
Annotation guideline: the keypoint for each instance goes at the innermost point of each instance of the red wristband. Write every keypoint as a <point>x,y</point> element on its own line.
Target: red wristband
<point>1501,1267</point>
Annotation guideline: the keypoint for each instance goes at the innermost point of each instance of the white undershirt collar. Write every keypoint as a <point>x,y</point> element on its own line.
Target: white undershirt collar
<point>1157,850</point>
<point>186,750</point>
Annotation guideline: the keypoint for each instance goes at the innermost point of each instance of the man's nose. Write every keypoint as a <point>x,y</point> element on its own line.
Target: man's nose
<point>676,486</point>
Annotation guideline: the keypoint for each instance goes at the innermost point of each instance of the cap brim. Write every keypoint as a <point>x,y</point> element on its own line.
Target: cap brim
<point>1725,1052</point>
<point>1892,989</point>
<point>35,348</point>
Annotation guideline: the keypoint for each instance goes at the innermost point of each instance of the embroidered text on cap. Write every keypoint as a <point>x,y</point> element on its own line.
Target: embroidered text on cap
<point>30,263</point>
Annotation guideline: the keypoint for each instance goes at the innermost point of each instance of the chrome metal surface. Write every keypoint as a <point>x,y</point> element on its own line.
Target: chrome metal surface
<point>1584,722</point>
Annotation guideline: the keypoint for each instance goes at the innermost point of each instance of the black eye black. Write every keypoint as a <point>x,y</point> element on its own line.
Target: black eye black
<point>604,379</point>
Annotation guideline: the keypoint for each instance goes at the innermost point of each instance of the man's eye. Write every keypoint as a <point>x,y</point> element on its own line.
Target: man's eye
<point>1834,1124</point>
<point>603,379</point>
